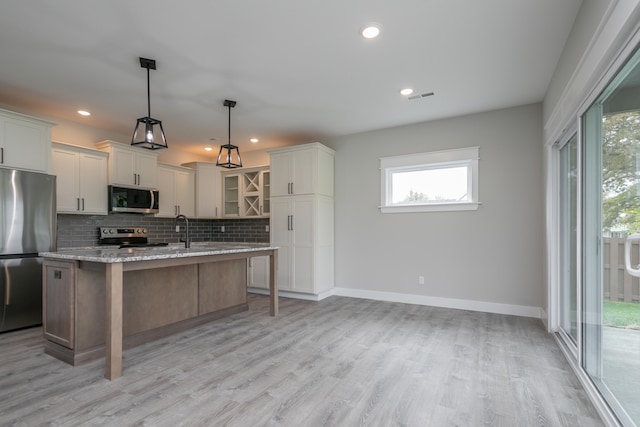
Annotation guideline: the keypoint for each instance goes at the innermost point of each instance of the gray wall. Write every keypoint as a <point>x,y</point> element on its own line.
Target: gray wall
<point>494,254</point>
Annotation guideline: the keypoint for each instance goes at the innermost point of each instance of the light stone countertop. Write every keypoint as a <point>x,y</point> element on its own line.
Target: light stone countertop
<point>112,254</point>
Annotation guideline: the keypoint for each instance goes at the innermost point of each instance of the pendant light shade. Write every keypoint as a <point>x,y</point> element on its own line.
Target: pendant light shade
<point>229,155</point>
<point>152,137</point>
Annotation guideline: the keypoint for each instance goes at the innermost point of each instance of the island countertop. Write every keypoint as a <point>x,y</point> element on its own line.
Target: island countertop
<point>113,254</point>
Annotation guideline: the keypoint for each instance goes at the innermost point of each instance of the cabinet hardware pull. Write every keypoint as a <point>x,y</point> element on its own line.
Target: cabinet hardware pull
<point>291,188</point>
<point>291,222</point>
<point>78,203</point>
<point>135,179</point>
<point>1,155</point>
<point>83,203</point>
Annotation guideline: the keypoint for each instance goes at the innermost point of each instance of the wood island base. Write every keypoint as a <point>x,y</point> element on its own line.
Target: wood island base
<point>95,309</point>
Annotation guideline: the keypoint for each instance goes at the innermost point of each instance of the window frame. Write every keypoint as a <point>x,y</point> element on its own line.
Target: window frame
<point>430,161</point>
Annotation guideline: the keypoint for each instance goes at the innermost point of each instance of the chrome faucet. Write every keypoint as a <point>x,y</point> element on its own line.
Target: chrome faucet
<point>187,239</point>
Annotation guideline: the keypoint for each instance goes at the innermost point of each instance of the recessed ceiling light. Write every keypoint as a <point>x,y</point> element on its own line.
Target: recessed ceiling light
<point>208,149</point>
<point>254,140</point>
<point>370,31</point>
<point>84,113</point>
<point>406,91</point>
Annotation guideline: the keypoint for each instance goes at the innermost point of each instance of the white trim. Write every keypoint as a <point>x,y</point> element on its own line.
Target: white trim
<point>545,318</point>
<point>443,156</point>
<point>435,207</point>
<point>592,392</point>
<point>595,62</point>
<point>295,295</point>
<point>467,157</point>
<point>460,304</point>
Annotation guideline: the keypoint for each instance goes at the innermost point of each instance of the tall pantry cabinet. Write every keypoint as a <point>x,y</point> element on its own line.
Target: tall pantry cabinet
<point>302,217</point>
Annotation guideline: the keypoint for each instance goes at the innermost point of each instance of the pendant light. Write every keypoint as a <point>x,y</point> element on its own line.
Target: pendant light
<point>153,138</point>
<point>229,155</point>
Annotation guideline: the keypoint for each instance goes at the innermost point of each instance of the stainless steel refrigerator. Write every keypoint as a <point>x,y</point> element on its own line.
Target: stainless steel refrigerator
<point>27,226</point>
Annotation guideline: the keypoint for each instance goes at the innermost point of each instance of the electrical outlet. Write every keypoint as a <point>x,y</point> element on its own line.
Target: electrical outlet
<point>420,280</point>
<point>177,228</point>
<point>266,228</point>
<point>222,229</point>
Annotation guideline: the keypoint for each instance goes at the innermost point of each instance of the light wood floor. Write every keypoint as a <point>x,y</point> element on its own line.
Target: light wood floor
<point>338,362</point>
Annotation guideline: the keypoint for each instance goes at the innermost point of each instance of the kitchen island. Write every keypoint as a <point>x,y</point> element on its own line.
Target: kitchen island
<point>96,297</point>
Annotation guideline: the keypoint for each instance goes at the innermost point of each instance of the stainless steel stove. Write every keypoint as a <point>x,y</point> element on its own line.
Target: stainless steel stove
<point>126,237</point>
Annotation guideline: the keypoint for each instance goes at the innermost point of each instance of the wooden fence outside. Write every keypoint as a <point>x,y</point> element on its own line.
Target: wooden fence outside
<point>617,283</point>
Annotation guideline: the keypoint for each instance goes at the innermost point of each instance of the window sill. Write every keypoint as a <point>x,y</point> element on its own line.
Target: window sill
<point>440,207</point>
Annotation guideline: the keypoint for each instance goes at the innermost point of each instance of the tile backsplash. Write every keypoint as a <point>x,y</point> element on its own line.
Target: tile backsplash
<point>82,230</point>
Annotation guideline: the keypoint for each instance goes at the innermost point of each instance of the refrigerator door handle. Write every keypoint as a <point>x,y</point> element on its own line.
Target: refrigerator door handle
<point>7,294</point>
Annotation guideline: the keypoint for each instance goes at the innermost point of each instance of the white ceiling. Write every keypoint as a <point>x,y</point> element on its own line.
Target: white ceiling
<point>298,69</point>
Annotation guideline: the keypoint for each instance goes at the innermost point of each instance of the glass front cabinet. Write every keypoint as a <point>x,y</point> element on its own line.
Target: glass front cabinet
<point>246,193</point>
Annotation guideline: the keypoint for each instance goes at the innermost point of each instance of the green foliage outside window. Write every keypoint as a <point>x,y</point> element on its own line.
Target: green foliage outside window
<point>620,166</point>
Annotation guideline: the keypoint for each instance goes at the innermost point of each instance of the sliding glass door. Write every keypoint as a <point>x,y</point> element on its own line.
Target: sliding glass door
<point>610,318</point>
<point>568,207</point>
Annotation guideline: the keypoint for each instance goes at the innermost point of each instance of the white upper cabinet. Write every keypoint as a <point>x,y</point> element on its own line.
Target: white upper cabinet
<point>25,142</point>
<point>302,169</point>
<point>246,193</point>
<point>207,189</point>
<point>176,187</point>
<point>81,181</point>
<point>130,166</point>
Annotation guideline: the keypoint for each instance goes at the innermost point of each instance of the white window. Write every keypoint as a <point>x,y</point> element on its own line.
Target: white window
<point>436,181</point>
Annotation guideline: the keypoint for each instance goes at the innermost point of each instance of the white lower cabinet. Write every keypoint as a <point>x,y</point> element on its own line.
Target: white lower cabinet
<point>259,272</point>
<point>176,187</point>
<point>81,179</point>
<point>302,229</point>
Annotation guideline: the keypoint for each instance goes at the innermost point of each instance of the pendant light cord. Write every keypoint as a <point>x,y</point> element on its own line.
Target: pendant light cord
<point>148,95</point>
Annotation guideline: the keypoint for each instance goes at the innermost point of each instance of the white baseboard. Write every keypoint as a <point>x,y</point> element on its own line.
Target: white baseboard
<point>483,306</point>
<point>545,319</point>
<point>296,295</point>
<point>461,304</point>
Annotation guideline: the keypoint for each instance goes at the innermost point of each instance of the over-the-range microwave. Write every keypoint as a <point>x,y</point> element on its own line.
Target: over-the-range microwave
<point>135,200</point>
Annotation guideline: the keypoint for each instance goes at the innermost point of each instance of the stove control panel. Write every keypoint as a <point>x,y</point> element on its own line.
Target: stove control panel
<point>109,232</point>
